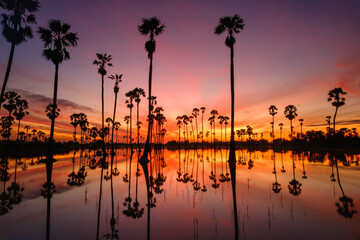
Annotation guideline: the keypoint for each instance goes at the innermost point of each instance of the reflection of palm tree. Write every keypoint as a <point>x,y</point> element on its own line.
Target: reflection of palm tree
<point>338,101</point>
<point>151,27</point>
<point>294,185</point>
<point>16,29</point>
<point>290,113</point>
<point>276,186</point>
<point>303,165</point>
<point>232,167</point>
<point>232,25</point>
<point>56,38</point>
<point>346,207</point>
<point>272,112</point>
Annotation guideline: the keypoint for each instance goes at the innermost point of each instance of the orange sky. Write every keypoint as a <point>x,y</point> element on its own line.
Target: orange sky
<point>288,53</point>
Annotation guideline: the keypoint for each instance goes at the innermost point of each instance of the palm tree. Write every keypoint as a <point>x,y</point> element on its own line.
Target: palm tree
<point>117,126</point>
<point>130,105</point>
<point>117,79</point>
<point>213,114</point>
<point>249,131</point>
<point>20,112</point>
<point>328,118</point>
<point>138,92</point>
<point>195,114</point>
<point>232,25</point>
<point>337,100</point>
<point>108,120</point>
<point>179,123</point>
<point>16,27</point>
<point>221,121</point>
<point>290,113</point>
<point>84,124</point>
<point>74,120</point>
<point>151,27</point>
<point>27,128</point>
<point>10,98</point>
<point>56,38</point>
<point>272,112</point>
<point>301,124</point>
<point>202,125</point>
<point>103,61</point>
<point>127,121</point>
<point>281,126</point>
<point>226,119</point>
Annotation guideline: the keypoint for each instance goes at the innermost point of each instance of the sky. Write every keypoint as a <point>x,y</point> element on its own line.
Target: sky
<point>290,52</point>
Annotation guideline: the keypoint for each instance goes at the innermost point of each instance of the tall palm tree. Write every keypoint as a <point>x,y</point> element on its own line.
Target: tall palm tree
<point>138,92</point>
<point>202,125</point>
<point>213,114</point>
<point>328,120</point>
<point>103,61</point>
<point>9,100</point>
<point>337,100</point>
<point>179,123</point>
<point>226,119</point>
<point>151,27</point>
<point>16,27</point>
<point>281,126</point>
<point>290,113</point>
<point>232,25</point>
<point>74,120</point>
<point>221,121</point>
<point>20,112</point>
<point>301,124</point>
<point>56,37</point>
<point>117,79</point>
<point>130,105</point>
<point>195,114</point>
<point>27,128</point>
<point>272,112</point>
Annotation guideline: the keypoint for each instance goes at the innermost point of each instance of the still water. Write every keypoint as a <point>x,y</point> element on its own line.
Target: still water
<point>190,195</point>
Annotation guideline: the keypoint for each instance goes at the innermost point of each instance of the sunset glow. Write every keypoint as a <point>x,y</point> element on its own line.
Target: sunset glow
<point>288,53</point>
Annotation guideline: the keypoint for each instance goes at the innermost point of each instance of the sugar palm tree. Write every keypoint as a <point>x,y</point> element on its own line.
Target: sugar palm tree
<point>27,128</point>
<point>195,114</point>
<point>337,100</point>
<point>272,112</point>
<point>221,121</point>
<point>301,124</point>
<point>138,92</point>
<point>232,25</point>
<point>130,105</point>
<point>103,61</point>
<point>56,37</point>
<point>151,27</point>
<point>290,113</point>
<point>117,79</point>
<point>328,120</point>
<point>202,125</point>
<point>74,120</point>
<point>20,112</point>
<point>281,126</point>
<point>9,101</point>
<point>16,27</point>
<point>213,114</point>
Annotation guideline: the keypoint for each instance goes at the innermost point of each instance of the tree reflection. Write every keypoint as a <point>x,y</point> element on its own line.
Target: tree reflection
<point>345,206</point>
<point>276,186</point>
<point>294,185</point>
<point>232,167</point>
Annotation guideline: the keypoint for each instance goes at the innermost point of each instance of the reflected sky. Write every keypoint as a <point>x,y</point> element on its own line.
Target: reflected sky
<point>181,209</point>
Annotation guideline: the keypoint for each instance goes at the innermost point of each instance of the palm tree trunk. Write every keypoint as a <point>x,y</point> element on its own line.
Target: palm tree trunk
<point>18,132</point>
<point>131,146</point>
<point>232,140</point>
<point>51,139</point>
<point>144,157</point>
<point>7,74</point>
<point>102,117</point>
<point>335,118</point>
<point>137,125</point>
<point>112,138</point>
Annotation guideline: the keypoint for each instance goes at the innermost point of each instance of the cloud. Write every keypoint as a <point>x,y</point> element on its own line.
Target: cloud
<point>38,99</point>
<point>346,122</point>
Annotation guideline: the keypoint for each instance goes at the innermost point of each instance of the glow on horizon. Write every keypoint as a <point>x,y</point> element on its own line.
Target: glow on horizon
<point>287,54</point>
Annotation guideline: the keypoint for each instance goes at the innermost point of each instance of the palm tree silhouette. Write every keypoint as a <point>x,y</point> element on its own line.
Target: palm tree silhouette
<point>151,27</point>
<point>196,113</point>
<point>103,61</point>
<point>138,92</point>
<point>20,112</point>
<point>232,25</point>
<point>108,120</point>
<point>74,120</point>
<point>179,123</point>
<point>290,113</point>
<point>130,105</point>
<point>221,121</point>
<point>226,119</point>
<point>281,126</point>
<point>213,115</point>
<point>27,128</point>
<point>301,124</point>
<point>272,112</point>
<point>337,100</point>
<point>202,126</point>
<point>16,28</point>
<point>56,38</point>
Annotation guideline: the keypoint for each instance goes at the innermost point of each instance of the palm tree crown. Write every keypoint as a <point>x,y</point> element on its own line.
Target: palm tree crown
<point>334,95</point>
<point>57,38</point>
<point>102,61</point>
<point>232,25</point>
<point>16,27</point>
<point>152,27</point>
